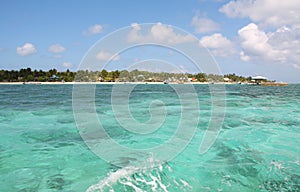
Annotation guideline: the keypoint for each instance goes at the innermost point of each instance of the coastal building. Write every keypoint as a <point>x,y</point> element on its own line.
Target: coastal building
<point>259,79</point>
<point>54,78</point>
<point>226,79</point>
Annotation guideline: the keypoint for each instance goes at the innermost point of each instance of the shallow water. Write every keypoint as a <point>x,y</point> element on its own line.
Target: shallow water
<point>257,149</point>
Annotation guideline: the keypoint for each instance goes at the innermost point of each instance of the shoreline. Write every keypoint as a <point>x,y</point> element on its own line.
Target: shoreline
<point>144,83</point>
<point>110,83</point>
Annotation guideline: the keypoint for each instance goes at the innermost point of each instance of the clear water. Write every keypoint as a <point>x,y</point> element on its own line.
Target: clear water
<point>257,150</point>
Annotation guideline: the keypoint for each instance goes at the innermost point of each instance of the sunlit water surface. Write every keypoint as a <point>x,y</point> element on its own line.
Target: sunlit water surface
<point>257,150</point>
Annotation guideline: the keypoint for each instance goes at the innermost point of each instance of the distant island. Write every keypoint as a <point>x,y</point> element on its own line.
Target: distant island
<point>30,76</point>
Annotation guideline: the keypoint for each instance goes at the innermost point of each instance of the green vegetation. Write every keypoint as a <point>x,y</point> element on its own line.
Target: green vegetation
<point>26,75</point>
<point>233,77</point>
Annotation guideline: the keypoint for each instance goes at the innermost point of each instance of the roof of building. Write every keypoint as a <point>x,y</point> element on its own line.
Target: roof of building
<point>259,78</point>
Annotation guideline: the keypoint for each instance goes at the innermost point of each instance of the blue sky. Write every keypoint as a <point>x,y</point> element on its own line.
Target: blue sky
<point>245,37</point>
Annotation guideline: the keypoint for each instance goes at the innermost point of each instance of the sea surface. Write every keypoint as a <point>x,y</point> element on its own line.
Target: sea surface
<point>257,149</point>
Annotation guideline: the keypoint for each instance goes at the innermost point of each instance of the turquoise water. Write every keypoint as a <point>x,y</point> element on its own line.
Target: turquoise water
<point>257,149</point>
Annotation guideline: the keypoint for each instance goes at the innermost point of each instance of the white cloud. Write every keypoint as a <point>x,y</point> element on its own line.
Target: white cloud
<point>219,45</point>
<point>268,12</point>
<point>135,26</point>
<point>282,18</point>
<point>106,56</point>
<point>93,30</point>
<point>281,46</point>
<point>56,48</point>
<point>255,43</point>
<point>244,57</point>
<point>159,33</point>
<point>287,40</point>
<point>67,64</point>
<point>26,49</point>
<point>204,25</point>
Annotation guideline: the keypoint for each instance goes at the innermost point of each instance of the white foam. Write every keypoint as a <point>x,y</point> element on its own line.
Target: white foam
<point>128,183</point>
<point>113,177</point>
<point>185,184</point>
<point>147,175</point>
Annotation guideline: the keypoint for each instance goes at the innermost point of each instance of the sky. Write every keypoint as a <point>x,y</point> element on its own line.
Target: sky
<point>245,37</point>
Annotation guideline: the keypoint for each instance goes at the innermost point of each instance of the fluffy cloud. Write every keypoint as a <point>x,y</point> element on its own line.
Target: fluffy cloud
<point>67,64</point>
<point>158,33</point>
<point>106,56</point>
<point>282,20</point>
<point>268,12</point>
<point>286,39</point>
<point>255,43</point>
<point>135,26</point>
<point>218,44</point>
<point>26,49</point>
<point>244,57</point>
<point>204,25</point>
<point>56,48</point>
<point>93,30</point>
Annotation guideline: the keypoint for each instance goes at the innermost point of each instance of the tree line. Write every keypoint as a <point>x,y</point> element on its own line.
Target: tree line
<point>27,75</point>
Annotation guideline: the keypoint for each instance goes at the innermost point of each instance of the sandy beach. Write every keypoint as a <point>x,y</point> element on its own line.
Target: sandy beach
<point>107,83</point>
